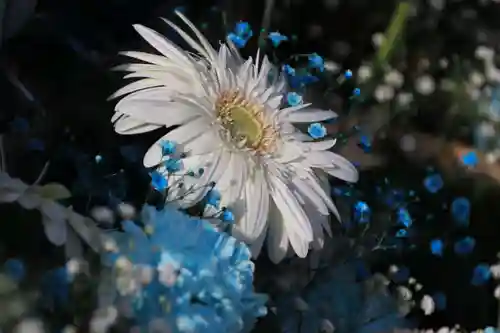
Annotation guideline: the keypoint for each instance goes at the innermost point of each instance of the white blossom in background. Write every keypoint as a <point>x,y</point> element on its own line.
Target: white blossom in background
<point>126,211</point>
<point>443,63</point>
<point>425,85</point>
<point>383,93</point>
<point>408,143</point>
<point>377,39</point>
<point>427,305</point>
<point>102,214</point>
<point>102,320</point>
<point>394,78</point>
<point>364,73</point>
<point>331,66</point>
<point>30,325</point>
<point>404,99</point>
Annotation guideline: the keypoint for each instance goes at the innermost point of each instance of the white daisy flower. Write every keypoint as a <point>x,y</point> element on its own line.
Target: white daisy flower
<point>234,127</point>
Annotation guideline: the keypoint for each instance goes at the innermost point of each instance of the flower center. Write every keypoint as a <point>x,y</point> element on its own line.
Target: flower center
<point>244,123</point>
<point>244,126</point>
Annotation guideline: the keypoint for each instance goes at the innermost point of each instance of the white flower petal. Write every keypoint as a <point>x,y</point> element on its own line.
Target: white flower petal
<point>164,46</point>
<point>127,125</point>
<point>310,116</point>
<point>30,200</point>
<point>135,86</point>
<point>143,106</point>
<point>180,136</point>
<point>333,164</point>
<point>277,242</point>
<point>55,230</point>
<point>318,145</point>
<point>288,205</point>
<point>252,208</point>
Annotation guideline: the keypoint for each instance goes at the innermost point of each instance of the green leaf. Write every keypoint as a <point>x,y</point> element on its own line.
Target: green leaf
<point>54,191</point>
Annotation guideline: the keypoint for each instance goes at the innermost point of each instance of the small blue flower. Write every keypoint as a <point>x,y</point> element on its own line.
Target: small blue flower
<point>317,130</point>
<point>439,300</point>
<point>365,144</point>
<point>404,217</point>
<point>15,269</point>
<point>167,147</point>
<point>213,198</point>
<point>294,99</point>
<point>276,38</point>
<point>158,181</point>
<point>227,216</point>
<point>433,183</point>
<point>98,159</point>
<point>470,159</point>
<point>362,212</point>
<point>460,210</point>
<point>316,62</point>
<point>55,287</point>
<point>464,246</point>
<point>481,275</point>
<point>356,92</point>
<point>173,165</point>
<point>437,247</point>
<point>402,233</point>
<point>299,81</point>
<point>289,70</point>
<point>238,41</point>
<point>242,29</point>
<point>348,74</point>
<point>490,329</point>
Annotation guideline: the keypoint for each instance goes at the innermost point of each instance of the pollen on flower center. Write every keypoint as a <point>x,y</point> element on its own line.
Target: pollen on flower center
<point>244,123</point>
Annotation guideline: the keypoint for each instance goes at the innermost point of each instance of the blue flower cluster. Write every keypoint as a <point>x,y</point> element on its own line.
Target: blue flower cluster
<point>181,270</point>
<point>342,300</point>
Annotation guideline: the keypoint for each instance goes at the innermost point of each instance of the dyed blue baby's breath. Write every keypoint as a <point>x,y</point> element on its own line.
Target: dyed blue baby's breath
<point>168,147</point>
<point>433,183</point>
<point>158,181</point>
<point>362,212</point>
<point>242,29</point>
<point>316,62</point>
<point>294,99</point>
<point>470,159</point>
<point>317,130</point>
<point>437,247</point>
<point>289,70</point>
<point>15,269</point>
<point>440,300</point>
<point>460,210</point>
<point>404,217</point>
<point>213,198</point>
<point>365,143</point>
<point>210,288</point>
<point>481,274</point>
<point>227,216</point>
<point>238,41</point>
<point>464,246</point>
<point>276,38</point>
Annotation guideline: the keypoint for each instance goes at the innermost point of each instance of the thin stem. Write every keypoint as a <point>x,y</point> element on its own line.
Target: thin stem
<point>42,173</point>
<point>266,19</point>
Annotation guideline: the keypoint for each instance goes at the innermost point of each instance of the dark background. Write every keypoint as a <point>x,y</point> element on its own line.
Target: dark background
<point>55,71</point>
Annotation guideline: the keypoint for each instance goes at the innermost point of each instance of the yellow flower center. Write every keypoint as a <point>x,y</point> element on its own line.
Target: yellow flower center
<point>244,123</point>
